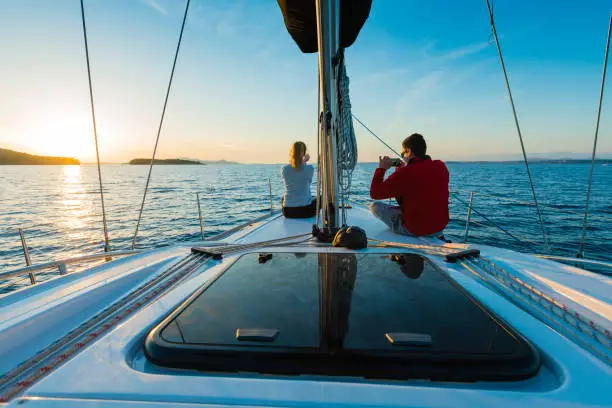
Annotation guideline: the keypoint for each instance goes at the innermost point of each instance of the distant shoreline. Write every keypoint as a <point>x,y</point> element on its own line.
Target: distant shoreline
<point>181,162</point>
<point>14,158</point>
<point>531,161</point>
<point>11,157</point>
<point>164,162</point>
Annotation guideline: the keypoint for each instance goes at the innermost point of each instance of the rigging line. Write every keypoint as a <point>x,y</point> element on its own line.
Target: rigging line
<point>93,117</point>
<point>161,122</point>
<point>494,227</point>
<point>588,195</point>
<point>379,139</point>
<point>492,14</point>
<point>518,128</point>
<point>487,219</point>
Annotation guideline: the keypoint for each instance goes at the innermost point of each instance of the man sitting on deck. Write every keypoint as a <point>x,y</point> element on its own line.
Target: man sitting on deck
<point>420,187</point>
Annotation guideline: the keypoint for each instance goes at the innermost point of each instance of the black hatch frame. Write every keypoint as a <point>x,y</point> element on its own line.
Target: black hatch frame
<point>393,316</point>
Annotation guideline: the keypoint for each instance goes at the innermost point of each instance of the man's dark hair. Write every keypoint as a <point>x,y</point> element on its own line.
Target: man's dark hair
<point>416,143</point>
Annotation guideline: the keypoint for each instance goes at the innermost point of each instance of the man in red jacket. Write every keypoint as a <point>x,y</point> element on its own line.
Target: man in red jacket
<point>420,187</point>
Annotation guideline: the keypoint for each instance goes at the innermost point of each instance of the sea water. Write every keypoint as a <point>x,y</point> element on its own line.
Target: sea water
<point>59,208</point>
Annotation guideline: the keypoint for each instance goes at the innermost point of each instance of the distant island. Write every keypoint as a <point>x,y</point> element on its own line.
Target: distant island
<point>163,161</point>
<point>11,157</point>
<point>179,161</point>
<point>604,162</point>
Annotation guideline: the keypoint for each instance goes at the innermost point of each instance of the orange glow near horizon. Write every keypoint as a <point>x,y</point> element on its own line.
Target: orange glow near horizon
<point>63,136</point>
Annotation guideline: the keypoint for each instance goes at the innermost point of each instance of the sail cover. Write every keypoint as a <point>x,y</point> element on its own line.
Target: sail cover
<point>301,21</point>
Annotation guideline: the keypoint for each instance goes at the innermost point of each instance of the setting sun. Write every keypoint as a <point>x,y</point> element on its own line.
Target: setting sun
<point>63,136</point>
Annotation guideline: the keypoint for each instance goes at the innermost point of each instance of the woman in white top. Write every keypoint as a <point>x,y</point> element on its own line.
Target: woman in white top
<point>297,176</point>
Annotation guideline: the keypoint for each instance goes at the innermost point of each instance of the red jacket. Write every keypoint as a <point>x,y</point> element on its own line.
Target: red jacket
<point>421,189</point>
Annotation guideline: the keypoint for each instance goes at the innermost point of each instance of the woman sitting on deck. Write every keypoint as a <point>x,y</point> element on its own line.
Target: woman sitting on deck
<point>297,176</point>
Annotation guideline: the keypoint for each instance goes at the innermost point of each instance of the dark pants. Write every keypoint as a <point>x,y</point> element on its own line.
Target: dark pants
<point>306,211</point>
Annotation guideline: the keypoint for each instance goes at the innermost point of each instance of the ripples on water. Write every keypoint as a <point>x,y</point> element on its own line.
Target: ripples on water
<point>59,206</point>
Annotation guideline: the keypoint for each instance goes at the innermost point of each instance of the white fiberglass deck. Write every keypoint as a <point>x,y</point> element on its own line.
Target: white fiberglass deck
<point>113,371</point>
<point>278,227</point>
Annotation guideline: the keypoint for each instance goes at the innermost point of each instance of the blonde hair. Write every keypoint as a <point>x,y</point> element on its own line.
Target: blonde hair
<point>296,155</point>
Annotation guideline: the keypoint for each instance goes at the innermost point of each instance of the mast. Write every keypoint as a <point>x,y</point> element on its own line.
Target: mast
<point>327,36</point>
<point>328,27</point>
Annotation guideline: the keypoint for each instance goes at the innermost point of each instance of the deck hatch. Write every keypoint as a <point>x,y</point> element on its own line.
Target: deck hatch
<point>334,314</point>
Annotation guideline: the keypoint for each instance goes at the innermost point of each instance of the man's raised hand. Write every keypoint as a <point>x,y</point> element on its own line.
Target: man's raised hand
<point>384,162</point>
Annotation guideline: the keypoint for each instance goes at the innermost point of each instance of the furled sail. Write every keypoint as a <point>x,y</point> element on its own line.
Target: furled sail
<point>301,21</point>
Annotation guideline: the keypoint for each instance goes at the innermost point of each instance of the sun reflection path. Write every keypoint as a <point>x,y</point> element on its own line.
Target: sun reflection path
<point>75,208</point>
<point>72,174</point>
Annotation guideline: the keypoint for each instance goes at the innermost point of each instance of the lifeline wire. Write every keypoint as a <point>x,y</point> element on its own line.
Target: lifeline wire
<point>93,117</point>
<point>518,128</point>
<point>487,219</point>
<point>588,195</point>
<point>161,122</point>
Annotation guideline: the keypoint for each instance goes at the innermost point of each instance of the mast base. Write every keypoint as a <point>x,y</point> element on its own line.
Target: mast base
<point>324,234</point>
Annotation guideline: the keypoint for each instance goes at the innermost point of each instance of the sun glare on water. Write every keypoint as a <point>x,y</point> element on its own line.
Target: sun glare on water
<point>72,174</point>
<point>74,210</point>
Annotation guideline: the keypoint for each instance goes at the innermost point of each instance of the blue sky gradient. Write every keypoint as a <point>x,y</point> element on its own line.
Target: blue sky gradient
<point>244,92</point>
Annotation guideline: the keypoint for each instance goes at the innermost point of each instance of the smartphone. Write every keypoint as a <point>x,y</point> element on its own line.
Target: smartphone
<point>396,162</point>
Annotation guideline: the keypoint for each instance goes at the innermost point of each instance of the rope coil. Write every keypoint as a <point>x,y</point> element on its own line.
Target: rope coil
<point>347,142</point>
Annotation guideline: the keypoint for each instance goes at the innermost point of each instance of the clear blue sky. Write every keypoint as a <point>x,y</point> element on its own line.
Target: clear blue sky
<point>244,92</point>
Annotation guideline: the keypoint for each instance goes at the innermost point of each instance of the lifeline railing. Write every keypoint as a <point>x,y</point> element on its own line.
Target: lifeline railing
<point>62,265</point>
<point>470,208</point>
<point>603,267</point>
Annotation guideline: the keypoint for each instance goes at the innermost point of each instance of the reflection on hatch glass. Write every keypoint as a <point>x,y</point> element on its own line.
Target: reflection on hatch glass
<point>367,315</point>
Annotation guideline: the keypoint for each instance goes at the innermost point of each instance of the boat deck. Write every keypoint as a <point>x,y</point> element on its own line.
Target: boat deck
<point>279,227</point>
<point>108,367</point>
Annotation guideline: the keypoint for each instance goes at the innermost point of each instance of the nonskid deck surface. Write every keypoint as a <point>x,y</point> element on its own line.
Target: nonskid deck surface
<point>113,369</point>
<point>279,227</point>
